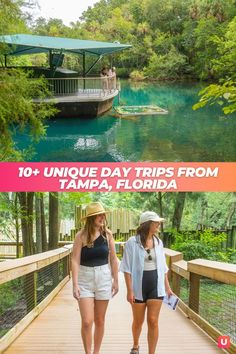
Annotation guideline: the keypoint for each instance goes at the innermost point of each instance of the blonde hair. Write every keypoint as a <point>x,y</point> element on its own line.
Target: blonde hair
<point>89,230</point>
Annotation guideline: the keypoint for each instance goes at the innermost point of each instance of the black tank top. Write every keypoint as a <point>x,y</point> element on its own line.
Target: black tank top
<point>96,255</point>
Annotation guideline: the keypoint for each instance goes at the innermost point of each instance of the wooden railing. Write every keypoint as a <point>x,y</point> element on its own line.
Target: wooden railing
<point>123,224</point>
<point>39,278</point>
<point>195,282</point>
<point>34,280</point>
<point>88,86</point>
<point>194,301</point>
<point>8,249</point>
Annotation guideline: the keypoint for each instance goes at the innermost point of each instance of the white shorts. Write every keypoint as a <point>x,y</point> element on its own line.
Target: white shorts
<point>95,282</point>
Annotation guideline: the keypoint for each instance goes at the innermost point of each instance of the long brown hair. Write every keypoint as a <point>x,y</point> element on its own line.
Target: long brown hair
<point>89,229</point>
<point>143,231</point>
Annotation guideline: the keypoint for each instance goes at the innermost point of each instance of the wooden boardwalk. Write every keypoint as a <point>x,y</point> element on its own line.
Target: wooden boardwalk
<point>57,330</point>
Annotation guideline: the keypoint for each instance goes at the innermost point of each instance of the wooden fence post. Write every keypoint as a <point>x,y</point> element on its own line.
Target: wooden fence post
<point>30,290</point>
<point>66,266</point>
<point>176,278</point>
<point>172,257</point>
<point>194,290</point>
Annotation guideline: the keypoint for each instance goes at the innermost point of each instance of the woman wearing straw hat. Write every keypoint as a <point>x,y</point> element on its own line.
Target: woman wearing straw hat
<point>94,274</point>
<point>145,272</point>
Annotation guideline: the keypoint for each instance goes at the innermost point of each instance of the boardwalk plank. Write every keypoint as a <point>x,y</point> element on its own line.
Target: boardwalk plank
<point>57,330</point>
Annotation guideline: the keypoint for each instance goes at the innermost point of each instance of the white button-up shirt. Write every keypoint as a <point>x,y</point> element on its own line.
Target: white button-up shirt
<point>133,263</point>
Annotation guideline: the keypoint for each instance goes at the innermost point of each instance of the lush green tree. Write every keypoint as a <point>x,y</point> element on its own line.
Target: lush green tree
<point>204,46</point>
<point>224,63</point>
<point>53,27</point>
<point>200,245</point>
<point>98,12</point>
<point>43,223</point>
<point>68,201</point>
<point>53,234</point>
<point>17,87</point>
<point>220,9</point>
<point>11,17</point>
<point>17,109</point>
<point>26,201</point>
<point>38,224</point>
<point>223,93</point>
<point>171,39</point>
<point>168,16</point>
<point>178,211</point>
<point>9,218</point>
<point>190,211</point>
<point>167,66</point>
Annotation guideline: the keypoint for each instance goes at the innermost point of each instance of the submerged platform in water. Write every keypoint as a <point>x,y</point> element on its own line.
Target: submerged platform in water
<point>140,110</point>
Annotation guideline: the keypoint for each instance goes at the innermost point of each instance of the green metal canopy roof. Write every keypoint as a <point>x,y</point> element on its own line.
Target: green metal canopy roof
<point>20,44</point>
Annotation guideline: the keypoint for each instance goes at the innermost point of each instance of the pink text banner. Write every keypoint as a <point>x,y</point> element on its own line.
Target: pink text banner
<point>117,177</point>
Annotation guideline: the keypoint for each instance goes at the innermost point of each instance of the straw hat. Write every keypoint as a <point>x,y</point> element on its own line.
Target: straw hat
<point>150,216</point>
<point>92,209</point>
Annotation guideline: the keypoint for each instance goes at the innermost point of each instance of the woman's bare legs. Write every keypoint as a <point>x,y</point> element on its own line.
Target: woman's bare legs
<point>86,306</point>
<point>153,311</point>
<point>100,307</point>
<point>138,318</point>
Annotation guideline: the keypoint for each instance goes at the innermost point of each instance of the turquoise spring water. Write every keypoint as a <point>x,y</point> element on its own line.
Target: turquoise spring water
<point>181,135</point>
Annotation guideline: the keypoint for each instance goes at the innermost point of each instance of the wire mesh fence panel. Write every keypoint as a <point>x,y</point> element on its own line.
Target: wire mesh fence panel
<point>184,290</point>
<point>20,296</point>
<point>218,306</point>
<point>13,304</point>
<point>48,278</point>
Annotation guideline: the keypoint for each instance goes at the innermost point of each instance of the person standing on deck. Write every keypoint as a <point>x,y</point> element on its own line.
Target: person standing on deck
<point>94,274</point>
<point>104,75</point>
<point>112,78</point>
<point>145,270</point>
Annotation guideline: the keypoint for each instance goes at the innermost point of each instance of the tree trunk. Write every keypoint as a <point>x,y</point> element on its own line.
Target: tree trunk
<point>231,211</point>
<point>161,209</point>
<point>30,211</point>
<point>53,220</point>
<point>26,204</point>
<point>178,212</point>
<point>26,200</point>
<point>38,224</point>
<point>204,219</point>
<point>233,237</point>
<point>43,225</point>
<point>17,227</point>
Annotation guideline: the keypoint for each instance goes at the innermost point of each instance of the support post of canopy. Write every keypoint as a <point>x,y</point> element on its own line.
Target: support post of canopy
<point>91,67</point>
<point>50,61</point>
<point>54,67</point>
<point>84,72</point>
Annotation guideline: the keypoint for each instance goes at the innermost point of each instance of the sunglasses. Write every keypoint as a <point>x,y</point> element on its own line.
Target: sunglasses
<point>149,254</point>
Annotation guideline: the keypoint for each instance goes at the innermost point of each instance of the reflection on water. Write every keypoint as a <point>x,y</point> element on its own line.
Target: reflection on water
<point>79,140</point>
<point>181,135</point>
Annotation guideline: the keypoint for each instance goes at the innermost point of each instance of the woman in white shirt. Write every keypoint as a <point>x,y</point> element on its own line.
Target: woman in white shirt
<point>145,272</point>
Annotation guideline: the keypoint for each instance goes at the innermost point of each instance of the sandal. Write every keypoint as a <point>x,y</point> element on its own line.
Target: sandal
<point>134,350</point>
